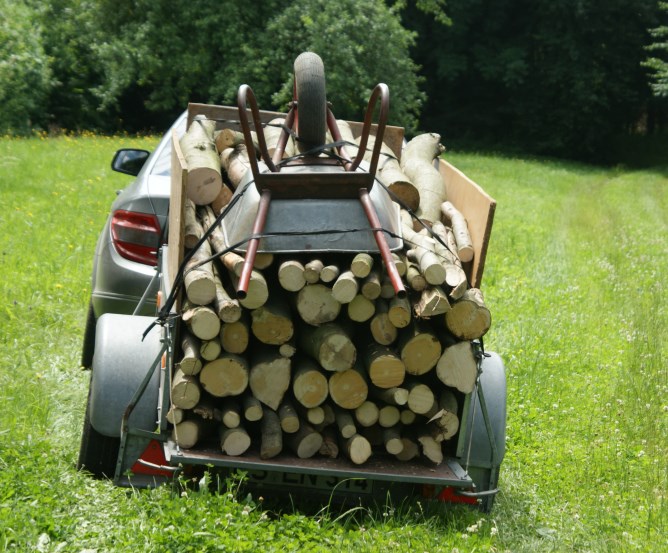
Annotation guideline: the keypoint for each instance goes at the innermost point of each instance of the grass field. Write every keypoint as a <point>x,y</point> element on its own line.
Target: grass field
<point>575,280</point>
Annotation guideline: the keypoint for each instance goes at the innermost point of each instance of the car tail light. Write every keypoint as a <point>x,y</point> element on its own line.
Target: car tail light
<point>136,236</point>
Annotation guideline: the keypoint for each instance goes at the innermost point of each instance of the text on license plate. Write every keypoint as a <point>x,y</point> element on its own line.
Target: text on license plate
<point>320,482</point>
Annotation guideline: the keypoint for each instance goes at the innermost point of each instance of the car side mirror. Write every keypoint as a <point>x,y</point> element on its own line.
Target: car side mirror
<point>129,161</point>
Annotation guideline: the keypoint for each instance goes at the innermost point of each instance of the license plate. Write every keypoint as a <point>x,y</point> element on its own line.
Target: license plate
<point>336,484</point>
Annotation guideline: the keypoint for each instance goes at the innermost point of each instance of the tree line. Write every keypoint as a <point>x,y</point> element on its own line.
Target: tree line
<point>560,77</point>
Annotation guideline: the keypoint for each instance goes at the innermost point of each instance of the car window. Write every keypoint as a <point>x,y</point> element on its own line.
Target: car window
<point>163,161</point>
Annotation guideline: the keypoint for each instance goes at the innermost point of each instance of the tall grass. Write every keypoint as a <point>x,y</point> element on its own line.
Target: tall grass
<point>575,281</point>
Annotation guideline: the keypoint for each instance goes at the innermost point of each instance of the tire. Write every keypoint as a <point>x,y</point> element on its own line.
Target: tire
<point>311,101</point>
<point>98,454</point>
<point>89,338</point>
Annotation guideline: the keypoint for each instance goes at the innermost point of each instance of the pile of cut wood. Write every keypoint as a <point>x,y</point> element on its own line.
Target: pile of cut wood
<point>321,357</point>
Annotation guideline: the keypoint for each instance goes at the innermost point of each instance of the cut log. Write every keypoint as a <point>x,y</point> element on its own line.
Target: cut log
<point>263,260</point>
<point>431,449</point>
<point>187,433</point>
<point>358,449</point>
<point>407,417</point>
<point>312,271</point>
<point>228,308</point>
<point>305,442</point>
<point>348,389</point>
<point>390,174</point>
<point>269,377</point>
<point>433,301</point>
<point>457,367</point>
<point>234,441</point>
<point>392,440</point>
<point>309,384</point>
<point>204,180</point>
<point>330,446</point>
<point>222,199</point>
<point>226,376</point>
<point>314,415</point>
<point>234,337</point>
<point>185,390</point>
<point>384,366</point>
<point>388,416</point>
<point>414,278</point>
<point>371,286</point>
<point>386,288</point>
<point>455,277</point>
<point>409,451</point>
<point>399,312</point>
<point>345,423</point>
<point>232,261</point>
<point>231,413</point>
<point>469,318</point>
<point>236,163</point>
<point>420,348</point>
<point>257,292</point>
<point>288,417</point>
<point>329,273</point>
<point>272,133</point>
<point>444,423</point>
<point>271,441</point>
<point>367,414</point>
<point>272,323</point>
<point>392,396</point>
<point>420,397</point>
<point>192,228</point>
<point>198,279</point>
<point>201,320</point>
<point>382,329</point>
<point>329,345</point>
<point>291,275</point>
<point>229,138</point>
<point>252,407</point>
<point>361,265</point>
<point>461,231</point>
<point>190,362</point>
<point>175,415</point>
<point>423,251</point>
<point>288,349</point>
<point>360,309</point>
<point>417,162</point>
<point>316,305</point>
<point>207,410</point>
<point>210,349</point>
<point>345,288</point>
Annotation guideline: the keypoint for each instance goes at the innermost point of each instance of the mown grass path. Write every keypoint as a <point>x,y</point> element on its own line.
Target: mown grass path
<point>575,279</point>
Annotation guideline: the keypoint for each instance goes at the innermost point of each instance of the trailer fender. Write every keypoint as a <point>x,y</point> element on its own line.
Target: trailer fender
<point>120,363</point>
<point>493,386</point>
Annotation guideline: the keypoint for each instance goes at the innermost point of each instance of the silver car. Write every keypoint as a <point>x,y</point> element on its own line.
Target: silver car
<point>127,248</point>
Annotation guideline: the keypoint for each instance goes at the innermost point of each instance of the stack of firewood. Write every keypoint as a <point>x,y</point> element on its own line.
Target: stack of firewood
<point>321,357</point>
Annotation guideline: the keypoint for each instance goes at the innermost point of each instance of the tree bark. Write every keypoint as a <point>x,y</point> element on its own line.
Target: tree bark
<point>271,442</point>
<point>228,308</point>
<point>345,423</point>
<point>461,231</point>
<point>417,162</point>
<point>192,228</point>
<point>204,180</point>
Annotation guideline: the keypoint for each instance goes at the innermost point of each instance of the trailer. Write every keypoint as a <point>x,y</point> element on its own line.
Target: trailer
<point>306,207</point>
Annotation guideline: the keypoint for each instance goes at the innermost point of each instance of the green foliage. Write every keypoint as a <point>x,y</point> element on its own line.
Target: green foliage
<point>658,63</point>
<point>25,75</point>
<point>361,43</point>
<point>560,77</point>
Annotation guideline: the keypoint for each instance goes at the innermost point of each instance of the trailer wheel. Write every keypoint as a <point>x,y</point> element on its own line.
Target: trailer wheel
<point>311,99</point>
<point>98,453</point>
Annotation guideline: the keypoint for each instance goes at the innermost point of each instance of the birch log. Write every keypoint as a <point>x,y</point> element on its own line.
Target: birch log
<point>204,180</point>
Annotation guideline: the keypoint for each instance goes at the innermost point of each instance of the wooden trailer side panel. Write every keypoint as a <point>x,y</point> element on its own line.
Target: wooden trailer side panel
<point>478,209</point>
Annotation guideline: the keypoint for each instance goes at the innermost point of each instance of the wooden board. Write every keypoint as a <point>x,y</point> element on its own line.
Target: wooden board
<point>176,232</point>
<point>478,209</point>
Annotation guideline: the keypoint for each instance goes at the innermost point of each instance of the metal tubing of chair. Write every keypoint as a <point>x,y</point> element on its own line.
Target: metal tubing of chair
<point>249,259</point>
<point>384,249</point>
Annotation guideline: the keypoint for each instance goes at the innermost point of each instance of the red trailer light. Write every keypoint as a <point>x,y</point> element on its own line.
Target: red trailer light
<point>136,236</point>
